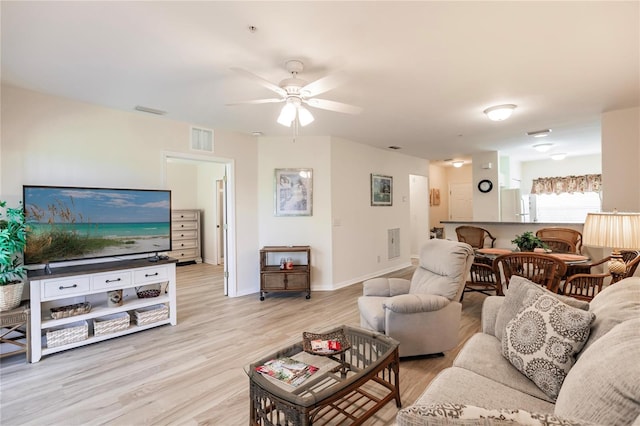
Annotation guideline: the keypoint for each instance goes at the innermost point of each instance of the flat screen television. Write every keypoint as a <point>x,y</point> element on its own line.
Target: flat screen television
<point>73,223</point>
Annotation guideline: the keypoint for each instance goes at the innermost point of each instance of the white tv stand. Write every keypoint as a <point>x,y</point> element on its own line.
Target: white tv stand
<point>90,283</point>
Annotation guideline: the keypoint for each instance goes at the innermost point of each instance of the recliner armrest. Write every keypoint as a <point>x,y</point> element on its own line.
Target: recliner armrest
<point>413,303</point>
<point>385,287</point>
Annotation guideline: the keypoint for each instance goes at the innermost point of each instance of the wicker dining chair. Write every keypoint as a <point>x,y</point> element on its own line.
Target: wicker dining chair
<point>540,268</point>
<point>583,286</point>
<point>559,245</point>
<point>630,257</point>
<point>474,236</point>
<point>564,233</point>
<point>483,280</point>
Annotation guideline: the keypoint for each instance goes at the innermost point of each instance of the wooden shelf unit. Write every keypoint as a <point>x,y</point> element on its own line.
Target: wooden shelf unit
<point>275,279</point>
<point>90,283</point>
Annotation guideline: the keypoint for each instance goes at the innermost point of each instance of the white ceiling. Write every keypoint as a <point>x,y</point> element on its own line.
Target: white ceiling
<point>422,71</point>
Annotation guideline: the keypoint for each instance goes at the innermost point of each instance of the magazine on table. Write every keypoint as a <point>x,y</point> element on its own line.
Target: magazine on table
<point>287,370</point>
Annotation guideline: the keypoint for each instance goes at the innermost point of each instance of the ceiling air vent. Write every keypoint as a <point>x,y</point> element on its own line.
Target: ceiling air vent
<point>201,139</point>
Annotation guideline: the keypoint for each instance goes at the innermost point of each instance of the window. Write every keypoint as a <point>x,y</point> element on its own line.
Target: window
<point>564,207</point>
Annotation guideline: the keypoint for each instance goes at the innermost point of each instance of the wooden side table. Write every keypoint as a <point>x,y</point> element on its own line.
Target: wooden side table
<point>11,332</point>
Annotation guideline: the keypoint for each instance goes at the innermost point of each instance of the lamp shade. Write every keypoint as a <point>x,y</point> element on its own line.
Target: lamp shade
<point>613,230</point>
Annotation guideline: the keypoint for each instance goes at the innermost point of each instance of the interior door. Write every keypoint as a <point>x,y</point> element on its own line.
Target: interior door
<point>222,227</point>
<point>461,202</point>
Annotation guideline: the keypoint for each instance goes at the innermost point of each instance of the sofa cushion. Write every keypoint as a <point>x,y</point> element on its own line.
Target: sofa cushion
<point>604,384</point>
<point>455,384</point>
<point>469,415</point>
<point>614,304</point>
<point>482,354</point>
<point>542,340</point>
<point>515,300</point>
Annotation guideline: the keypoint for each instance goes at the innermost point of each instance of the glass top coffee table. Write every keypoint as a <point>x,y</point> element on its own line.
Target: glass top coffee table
<point>348,388</point>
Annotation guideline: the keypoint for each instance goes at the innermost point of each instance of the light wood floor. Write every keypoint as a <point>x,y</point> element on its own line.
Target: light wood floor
<point>192,373</point>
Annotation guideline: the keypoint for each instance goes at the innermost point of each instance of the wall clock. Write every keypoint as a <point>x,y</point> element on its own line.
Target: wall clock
<point>485,185</point>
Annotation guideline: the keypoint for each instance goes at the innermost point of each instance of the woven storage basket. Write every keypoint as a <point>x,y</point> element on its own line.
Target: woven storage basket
<point>74,332</point>
<point>111,323</point>
<point>151,314</point>
<point>70,310</point>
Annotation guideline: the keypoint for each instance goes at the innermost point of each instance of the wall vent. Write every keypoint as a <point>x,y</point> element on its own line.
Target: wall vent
<point>393,237</point>
<point>201,139</point>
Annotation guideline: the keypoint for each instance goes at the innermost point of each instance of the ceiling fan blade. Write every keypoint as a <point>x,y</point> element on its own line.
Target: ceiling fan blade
<point>333,106</point>
<point>257,101</point>
<point>265,83</point>
<point>323,84</point>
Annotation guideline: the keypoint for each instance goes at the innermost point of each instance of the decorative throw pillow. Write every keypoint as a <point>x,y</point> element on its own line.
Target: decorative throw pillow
<point>543,339</point>
<point>517,297</point>
<point>469,415</point>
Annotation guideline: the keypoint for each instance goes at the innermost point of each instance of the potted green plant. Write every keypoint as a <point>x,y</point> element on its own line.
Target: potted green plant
<point>13,238</point>
<point>528,241</point>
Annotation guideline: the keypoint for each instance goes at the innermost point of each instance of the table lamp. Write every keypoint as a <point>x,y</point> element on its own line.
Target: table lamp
<point>615,230</point>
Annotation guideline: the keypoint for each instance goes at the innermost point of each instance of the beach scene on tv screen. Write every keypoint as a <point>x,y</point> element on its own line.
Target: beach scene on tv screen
<point>79,223</point>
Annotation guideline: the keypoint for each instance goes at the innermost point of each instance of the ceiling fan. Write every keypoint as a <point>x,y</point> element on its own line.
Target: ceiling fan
<point>296,93</point>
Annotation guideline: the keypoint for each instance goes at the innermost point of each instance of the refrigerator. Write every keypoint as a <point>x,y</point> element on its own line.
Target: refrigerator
<point>512,207</point>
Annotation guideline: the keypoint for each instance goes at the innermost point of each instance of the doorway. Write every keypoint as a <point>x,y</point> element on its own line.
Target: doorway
<point>200,182</point>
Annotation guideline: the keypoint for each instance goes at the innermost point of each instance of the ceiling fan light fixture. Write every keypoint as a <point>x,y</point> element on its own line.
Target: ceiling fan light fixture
<point>542,147</point>
<point>500,112</point>
<point>287,114</point>
<point>457,164</point>
<point>304,116</point>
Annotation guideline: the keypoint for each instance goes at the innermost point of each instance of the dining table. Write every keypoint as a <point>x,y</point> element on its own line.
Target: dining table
<point>570,259</point>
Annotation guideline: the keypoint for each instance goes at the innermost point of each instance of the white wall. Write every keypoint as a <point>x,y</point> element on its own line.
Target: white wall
<point>419,209</point>
<point>54,141</point>
<point>314,230</point>
<point>486,206</point>
<point>360,230</point>
<point>620,159</point>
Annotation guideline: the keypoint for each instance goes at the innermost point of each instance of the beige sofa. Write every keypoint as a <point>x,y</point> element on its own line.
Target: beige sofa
<point>484,387</point>
<point>422,314</point>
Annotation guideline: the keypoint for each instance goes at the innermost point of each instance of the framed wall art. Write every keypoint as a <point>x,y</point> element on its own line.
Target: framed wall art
<point>434,197</point>
<point>293,192</point>
<point>381,190</point>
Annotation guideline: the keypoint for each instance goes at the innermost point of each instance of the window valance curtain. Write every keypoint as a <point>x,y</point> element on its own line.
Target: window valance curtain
<point>570,184</point>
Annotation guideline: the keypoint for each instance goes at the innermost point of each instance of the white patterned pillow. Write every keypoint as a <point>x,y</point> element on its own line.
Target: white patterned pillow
<point>447,414</point>
<point>543,339</point>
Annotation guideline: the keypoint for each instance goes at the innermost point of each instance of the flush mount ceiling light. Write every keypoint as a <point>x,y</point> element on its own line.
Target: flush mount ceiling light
<point>543,147</point>
<point>457,163</point>
<point>539,133</point>
<point>500,112</point>
<point>559,156</point>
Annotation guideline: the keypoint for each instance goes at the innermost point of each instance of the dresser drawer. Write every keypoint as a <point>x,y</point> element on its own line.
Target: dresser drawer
<point>179,226</point>
<point>184,215</point>
<point>150,275</point>
<point>185,244</point>
<point>181,255</point>
<point>110,281</point>
<point>185,235</point>
<point>52,289</point>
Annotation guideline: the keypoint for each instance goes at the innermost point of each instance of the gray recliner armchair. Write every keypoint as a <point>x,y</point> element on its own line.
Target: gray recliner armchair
<point>422,314</point>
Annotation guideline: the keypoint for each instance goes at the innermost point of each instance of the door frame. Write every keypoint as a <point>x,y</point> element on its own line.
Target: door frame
<point>230,267</point>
